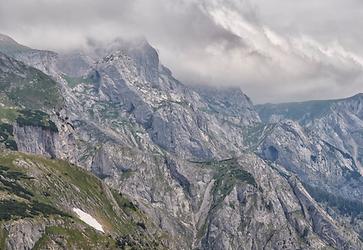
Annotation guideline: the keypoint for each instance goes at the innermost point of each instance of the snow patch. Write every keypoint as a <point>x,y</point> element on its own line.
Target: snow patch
<point>88,219</point>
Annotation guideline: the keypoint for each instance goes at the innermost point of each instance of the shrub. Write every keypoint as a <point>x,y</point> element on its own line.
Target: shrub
<point>6,136</point>
<point>12,208</point>
<point>343,205</point>
<point>36,118</point>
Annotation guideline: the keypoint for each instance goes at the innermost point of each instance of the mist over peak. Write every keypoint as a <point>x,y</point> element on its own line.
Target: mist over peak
<point>293,51</point>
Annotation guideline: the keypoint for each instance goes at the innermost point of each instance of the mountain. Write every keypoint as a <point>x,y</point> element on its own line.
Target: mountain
<point>191,159</point>
<point>320,141</point>
<point>10,47</point>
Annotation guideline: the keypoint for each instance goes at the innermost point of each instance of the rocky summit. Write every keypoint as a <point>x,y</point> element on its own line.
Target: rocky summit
<point>102,148</point>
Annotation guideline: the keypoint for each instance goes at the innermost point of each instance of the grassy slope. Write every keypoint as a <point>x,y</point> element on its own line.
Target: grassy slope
<point>36,188</point>
<point>24,86</point>
<point>301,111</point>
<point>36,90</point>
<point>295,111</point>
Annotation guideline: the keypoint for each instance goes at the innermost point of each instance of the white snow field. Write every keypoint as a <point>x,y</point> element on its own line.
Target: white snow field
<point>88,219</point>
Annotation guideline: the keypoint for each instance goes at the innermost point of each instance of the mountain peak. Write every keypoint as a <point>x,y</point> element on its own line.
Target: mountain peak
<point>116,111</point>
<point>230,101</point>
<point>5,38</point>
<point>10,47</point>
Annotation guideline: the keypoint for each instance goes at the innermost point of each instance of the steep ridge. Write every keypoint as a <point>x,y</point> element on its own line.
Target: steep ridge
<point>324,147</point>
<point>174,117</point>
<point>24,85</point>
<point>39,196</point>
<point>181,154</point>
<point>39,59</point>
<point>10,47</point>
<point>130,79</point>
<point>229,104</point>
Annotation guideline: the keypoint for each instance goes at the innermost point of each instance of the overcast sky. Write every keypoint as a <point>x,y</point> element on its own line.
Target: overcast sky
<point>276,50</point>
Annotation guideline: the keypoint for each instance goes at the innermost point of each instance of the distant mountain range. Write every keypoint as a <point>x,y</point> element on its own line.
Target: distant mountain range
<point>110,132</point>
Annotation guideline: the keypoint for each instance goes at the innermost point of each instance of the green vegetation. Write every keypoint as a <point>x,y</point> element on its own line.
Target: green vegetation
<point>109,110</point>
<point>343,205</point>
<point>124,203</point>
<point>227,174</point>
<point>229,169</point>
<point>169,103</point>
<point>5,130</point>
<point>254,135</point>
<point>37,119</point>
<point>73,238</point>
<point>10,183</point>
<point>296,111</point>
<point>3,236</point>
<point>37,188</point>
<point>7,136</point>
<point>28,87</point>
<point>12,209</point>
<point>24,117</point>
<point>9,116</point>
<point>74,81</point>
<point>11,144</point>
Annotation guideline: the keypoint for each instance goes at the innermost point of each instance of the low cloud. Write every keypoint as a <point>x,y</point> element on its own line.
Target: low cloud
<point>275,51</point>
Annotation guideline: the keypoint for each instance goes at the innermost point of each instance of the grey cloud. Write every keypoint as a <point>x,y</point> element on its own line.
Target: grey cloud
<point>202,49</point>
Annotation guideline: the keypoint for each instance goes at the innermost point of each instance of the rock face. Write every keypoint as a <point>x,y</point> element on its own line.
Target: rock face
<point>259,217</point>
<point>36,140</point>
<point>316,162</point>
<point>44,141</point>
<point>229,104</point>
<point>198,161</point>
<point>323,147</point>
<point>24,234</point>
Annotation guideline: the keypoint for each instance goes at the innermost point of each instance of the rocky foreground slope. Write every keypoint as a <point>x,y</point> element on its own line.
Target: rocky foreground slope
<point>39,198</point>
<point>198,162</point>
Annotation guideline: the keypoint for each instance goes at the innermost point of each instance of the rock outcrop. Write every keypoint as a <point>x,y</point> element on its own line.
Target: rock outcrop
<point>322,144</point>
